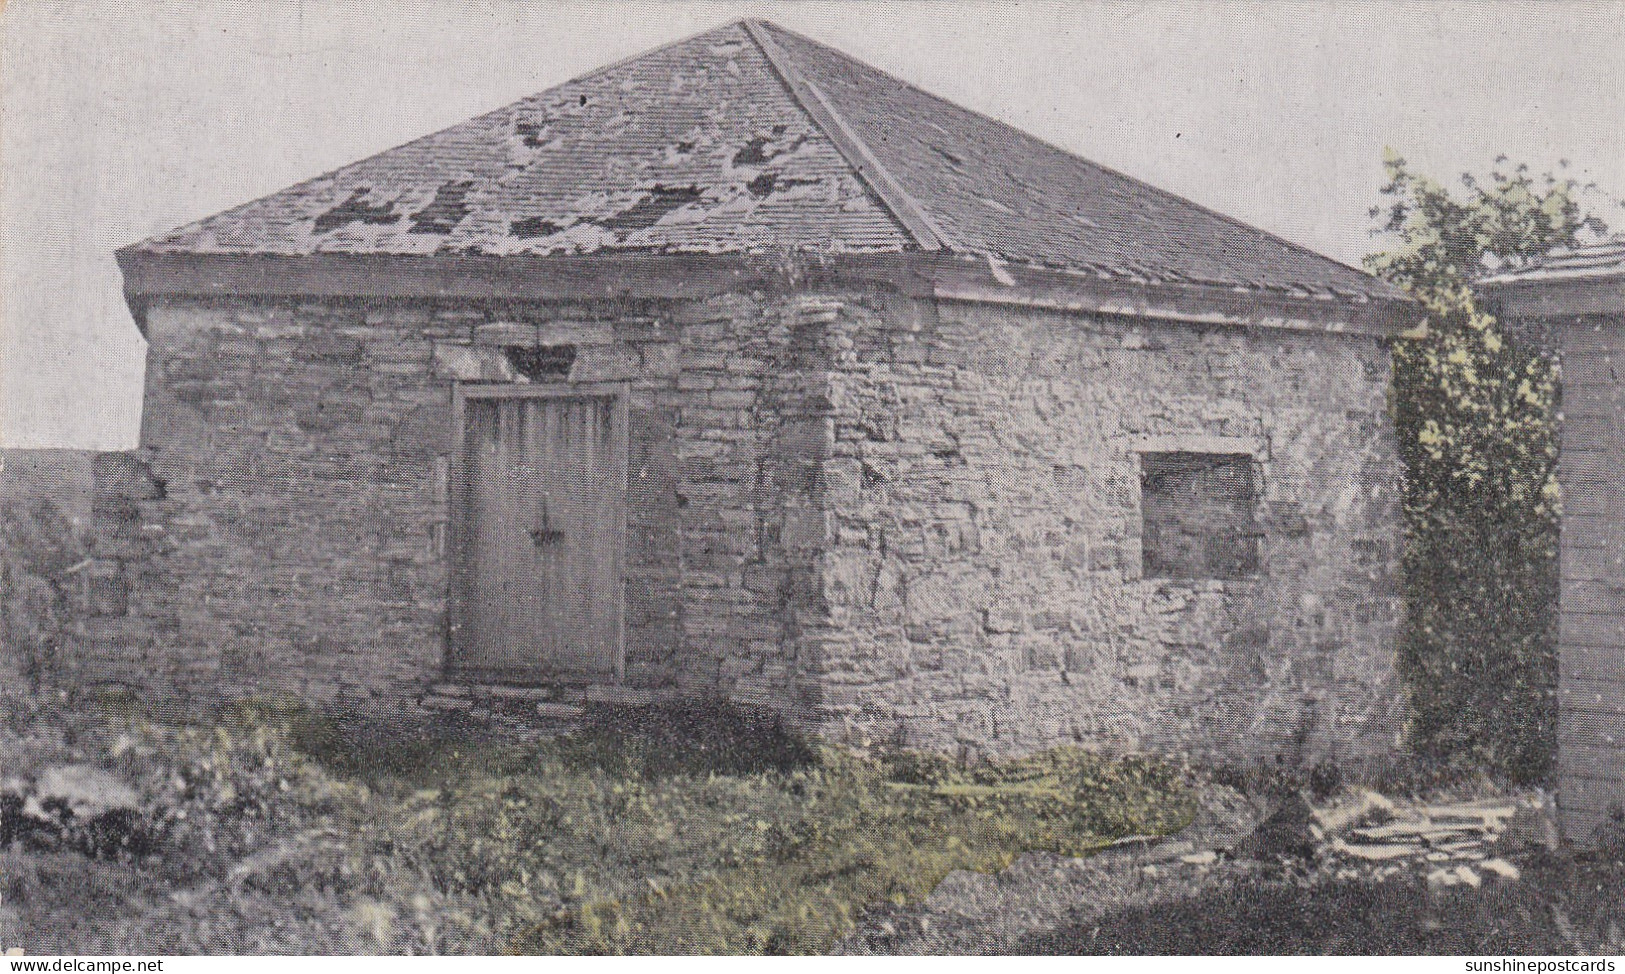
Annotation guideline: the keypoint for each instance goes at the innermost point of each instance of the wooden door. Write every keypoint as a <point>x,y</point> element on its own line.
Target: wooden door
<point>539,520</point>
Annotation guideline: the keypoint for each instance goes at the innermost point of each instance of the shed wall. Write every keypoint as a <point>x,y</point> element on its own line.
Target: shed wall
<point>985,584</point>
<point>915,523</point>
<point>298,547</point>
<point>1591,666</point>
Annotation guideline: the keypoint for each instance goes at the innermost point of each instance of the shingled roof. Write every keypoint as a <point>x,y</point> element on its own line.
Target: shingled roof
<point>1604,258</point>
<point>1584,280</point>
<point>751,139</point>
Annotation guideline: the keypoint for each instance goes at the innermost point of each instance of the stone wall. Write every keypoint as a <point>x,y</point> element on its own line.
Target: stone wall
<point>296,545</point>
<point>985,586</point>
<point>913,523</point>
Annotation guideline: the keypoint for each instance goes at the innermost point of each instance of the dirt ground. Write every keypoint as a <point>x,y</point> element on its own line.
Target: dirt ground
<point>1220,888</point>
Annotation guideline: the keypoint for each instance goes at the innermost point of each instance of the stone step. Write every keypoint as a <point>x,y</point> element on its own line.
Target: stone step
<point>476,701</point>
<point>440,701</point>
<point>574,694</point>
<point>503,691</point>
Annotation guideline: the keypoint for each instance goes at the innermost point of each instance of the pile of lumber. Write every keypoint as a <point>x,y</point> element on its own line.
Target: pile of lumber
<point>1453,841</point>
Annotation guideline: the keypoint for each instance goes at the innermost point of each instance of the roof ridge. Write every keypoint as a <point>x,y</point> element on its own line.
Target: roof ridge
<point>1169,194</point>
<point>908,211</point>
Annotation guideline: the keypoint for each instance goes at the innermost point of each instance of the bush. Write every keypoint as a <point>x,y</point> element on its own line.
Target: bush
<point>821,844</point>
<point>38,545</point>
<point>217,794</point>
<point>695,738</point>
<point>1476,413</point>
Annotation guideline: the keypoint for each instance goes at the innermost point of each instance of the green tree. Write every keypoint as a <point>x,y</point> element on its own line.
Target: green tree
<point>1476,413</point>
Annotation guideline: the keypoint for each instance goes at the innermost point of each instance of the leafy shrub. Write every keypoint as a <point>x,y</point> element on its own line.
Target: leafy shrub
<point>217,794</point>
<point>863,832</point>
<point>38,544</point>
<point>306,730</point>
<point>1476,414</point>
<point>702,829</point>
<point>702,737</point>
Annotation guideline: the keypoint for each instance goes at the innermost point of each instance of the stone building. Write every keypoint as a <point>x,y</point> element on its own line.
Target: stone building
<point>743,369</point>
<point>1574,300</point>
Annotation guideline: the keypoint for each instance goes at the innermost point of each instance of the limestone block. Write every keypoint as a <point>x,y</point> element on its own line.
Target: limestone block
<point>470,364</point>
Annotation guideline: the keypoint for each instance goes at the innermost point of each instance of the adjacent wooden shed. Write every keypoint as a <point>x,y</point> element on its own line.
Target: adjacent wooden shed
<point>743,369</point>
<point>1577,298</point>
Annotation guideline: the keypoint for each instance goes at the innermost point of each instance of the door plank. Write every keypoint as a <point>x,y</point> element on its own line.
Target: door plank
<point>542,529</point>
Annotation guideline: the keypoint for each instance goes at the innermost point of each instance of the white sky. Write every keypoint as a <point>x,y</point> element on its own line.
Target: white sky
<point>121,120</point>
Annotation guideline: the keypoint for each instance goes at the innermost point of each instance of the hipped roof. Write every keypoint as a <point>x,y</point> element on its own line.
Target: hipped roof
<point>752,140</point>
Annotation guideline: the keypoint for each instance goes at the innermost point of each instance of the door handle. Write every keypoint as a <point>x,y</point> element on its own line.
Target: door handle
<point>544,533</point>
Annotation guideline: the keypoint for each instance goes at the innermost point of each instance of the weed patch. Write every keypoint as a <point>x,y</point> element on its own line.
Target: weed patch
<point>673,830</point>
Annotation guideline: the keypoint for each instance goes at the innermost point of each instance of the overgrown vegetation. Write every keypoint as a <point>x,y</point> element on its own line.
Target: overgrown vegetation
<point>39,549</point>
<point>1476,413</point>
<point>646,831</point>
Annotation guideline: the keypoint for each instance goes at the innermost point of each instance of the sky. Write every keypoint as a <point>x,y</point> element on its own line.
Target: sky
<point>119,120</point>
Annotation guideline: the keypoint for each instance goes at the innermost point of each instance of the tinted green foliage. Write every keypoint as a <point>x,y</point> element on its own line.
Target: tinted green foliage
<point>811,849</point>
<point>1476,413</point>
<point>277,830</point>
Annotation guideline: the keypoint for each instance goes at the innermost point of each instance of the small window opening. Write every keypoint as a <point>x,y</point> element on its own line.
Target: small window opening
<point>1199,513</point>
<point>537,362</point>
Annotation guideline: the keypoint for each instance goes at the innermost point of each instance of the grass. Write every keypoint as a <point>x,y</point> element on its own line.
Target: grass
<point>695,830</point>
<point>668,831</point>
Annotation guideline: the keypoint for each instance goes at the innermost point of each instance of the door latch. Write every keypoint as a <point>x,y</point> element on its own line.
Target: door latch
<point>544,533</point>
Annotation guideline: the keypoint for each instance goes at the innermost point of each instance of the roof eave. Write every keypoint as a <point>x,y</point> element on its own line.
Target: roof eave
<point>1555,295</point>
<point>150,274</point>
<point>1189,303</point>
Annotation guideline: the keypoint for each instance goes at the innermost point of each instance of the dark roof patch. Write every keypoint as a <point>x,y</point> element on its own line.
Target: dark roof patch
<point>527,227</point>
<point>355,209</point>
<point>653,207</point>
<point>445,211</point>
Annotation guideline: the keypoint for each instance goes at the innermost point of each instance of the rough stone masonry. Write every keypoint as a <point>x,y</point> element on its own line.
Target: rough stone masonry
<point>934,435</point>
<point>904,521</point>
